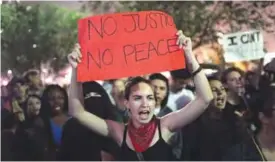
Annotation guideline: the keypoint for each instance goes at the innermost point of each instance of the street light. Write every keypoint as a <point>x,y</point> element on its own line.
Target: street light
<point>9,72</point>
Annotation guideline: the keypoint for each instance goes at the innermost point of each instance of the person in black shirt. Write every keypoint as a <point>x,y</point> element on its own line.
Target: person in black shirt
<point>209,137</point>
<point>240,104</point>
<point>261,145</point>
<point>79,142</point>
<point>233,80</point>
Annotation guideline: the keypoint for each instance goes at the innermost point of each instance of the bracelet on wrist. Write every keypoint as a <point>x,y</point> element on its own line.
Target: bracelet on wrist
<point>197,71</point>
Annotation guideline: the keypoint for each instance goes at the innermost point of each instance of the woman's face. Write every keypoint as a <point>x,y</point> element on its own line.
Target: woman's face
<point>141,103</point>
<point>33,106</point>
<point>160,90</point>
<point>56,101</point>
<point>219,93</point>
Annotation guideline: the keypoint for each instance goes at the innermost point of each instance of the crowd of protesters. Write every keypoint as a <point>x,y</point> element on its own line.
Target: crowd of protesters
<point>239,124</point>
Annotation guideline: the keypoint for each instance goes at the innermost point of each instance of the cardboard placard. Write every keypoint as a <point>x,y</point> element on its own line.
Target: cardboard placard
<point>127,44</point>
<point>243,46</point>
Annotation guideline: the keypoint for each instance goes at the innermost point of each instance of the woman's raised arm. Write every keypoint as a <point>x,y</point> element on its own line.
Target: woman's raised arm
<point>204,96</point>
<point>76,108</point>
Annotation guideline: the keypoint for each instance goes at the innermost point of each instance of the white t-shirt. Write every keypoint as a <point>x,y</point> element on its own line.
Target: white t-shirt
<point>157,110</point>
<point>178,100</point>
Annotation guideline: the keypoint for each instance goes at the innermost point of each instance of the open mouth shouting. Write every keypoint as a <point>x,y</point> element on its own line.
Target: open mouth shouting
<point>144,114</point>
<point>220,100</point>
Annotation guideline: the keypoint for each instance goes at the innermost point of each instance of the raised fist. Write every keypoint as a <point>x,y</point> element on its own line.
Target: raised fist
<point>74,58</point>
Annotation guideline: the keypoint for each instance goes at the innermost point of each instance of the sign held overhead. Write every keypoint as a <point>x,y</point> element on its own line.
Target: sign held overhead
<point>243,46</point>
<point>127,44</point>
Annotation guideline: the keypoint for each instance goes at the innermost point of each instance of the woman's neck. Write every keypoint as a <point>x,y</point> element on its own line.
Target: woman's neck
<point>137,125</point>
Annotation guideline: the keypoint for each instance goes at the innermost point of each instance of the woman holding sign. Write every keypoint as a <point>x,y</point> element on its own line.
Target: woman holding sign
<point>145,137</point>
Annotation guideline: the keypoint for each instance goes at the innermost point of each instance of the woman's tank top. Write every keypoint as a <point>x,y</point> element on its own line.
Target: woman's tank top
<point>160,151</point>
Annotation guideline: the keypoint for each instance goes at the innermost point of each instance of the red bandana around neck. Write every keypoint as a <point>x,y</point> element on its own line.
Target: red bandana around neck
<point>142,137</point>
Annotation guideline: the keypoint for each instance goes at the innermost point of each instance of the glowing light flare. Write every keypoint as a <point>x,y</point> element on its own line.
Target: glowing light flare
<point>9,72</point>
<point>4,82</point>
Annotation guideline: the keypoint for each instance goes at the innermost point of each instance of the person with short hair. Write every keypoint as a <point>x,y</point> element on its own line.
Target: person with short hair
<point>212,134</point>
<point>233,80</point>
<point>180,95</point>
<point>161,89</point>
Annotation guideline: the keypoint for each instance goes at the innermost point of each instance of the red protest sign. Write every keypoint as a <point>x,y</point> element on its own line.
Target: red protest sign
<point>127,44</point>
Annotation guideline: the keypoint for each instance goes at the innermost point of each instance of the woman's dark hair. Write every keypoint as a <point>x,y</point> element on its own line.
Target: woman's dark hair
<point>228,71</point>
<point>213,77</point>
<point>45,106</point>
<point>132,82</point>
<point>34,96</point>
<point>163,78</point>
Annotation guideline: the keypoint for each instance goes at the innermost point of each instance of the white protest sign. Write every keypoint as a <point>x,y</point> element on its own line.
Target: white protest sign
<point>243,46</point>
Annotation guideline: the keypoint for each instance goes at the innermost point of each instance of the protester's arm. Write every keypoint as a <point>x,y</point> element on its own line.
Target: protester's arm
<point>195,108</point>
<point>76,108</point>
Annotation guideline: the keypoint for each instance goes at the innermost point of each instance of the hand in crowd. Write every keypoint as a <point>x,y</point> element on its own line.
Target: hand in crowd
<point>184,42</point>
<point>74,58</point>
<point>17,110</point>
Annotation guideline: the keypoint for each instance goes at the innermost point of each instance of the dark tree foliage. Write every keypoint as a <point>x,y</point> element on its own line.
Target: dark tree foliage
<point>35,34</point>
